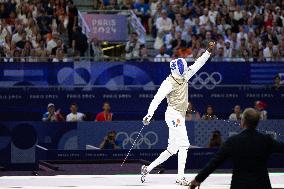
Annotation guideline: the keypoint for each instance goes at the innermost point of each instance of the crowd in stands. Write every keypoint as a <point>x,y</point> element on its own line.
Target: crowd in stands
<point>40,30</point>
<point>244,30</point>
<point>53,115</point>
<point>47,30</point>
<point>193,115</point>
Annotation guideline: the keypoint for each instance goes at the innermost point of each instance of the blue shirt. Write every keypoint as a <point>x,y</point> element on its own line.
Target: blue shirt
<point>143,8</point>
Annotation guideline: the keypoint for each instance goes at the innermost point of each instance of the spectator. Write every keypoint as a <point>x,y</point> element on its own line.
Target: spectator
<point>269,51</point>
<point>260,106</point>
<point>132,47</point>
<point>220,54</point>
<point>110,142</point>
<point>227,50</point>
<point>74,115</point>
<point>144,57</point>
<point>245,56</point>
<point>60,56</point>
<point>191,113</point>
<point>127,4</point>
<point>162,56</point>
<point>277,84</point>
<point>215,140</point>
<point>51,115</point>
<point>142,10</point>
<point>79,41</point>
<point>105,115</point>
<point>209,114</point>
<point>72,13</point>
<point>183,51</point>
<point>237,115</point>
<point>51,42</point>
<point>164,25</point>
<point>204,18</point>
<point>112,5</point>
<point>96,50</point>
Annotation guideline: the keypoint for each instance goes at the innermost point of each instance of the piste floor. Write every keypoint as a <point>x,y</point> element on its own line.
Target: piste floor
<point>161,181</point>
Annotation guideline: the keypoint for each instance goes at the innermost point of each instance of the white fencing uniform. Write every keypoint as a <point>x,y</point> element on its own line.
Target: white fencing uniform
<point>175,89</point>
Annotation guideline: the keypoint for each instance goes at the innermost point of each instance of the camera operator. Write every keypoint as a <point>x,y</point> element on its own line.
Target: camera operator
<point>110,142</point>
<point>132,47</point>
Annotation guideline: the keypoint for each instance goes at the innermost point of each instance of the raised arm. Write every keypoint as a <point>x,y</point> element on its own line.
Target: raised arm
<point>200,61</point>
<point>163,91</point>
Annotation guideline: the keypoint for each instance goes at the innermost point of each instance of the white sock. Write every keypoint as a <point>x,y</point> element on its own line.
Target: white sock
<point>163,157</point>
<point>182,156</point>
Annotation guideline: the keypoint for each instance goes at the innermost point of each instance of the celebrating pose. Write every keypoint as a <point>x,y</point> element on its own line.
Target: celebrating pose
<point>175,89</point>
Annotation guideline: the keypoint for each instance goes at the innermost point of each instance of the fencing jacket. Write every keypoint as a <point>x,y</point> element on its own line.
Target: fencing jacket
<point>176,89</point>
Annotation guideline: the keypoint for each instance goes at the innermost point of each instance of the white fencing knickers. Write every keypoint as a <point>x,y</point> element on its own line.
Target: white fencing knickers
<point>177,142</point>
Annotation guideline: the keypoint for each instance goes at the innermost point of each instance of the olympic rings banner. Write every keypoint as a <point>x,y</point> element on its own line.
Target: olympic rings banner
<point>149,74</point>
<point>81,135</point>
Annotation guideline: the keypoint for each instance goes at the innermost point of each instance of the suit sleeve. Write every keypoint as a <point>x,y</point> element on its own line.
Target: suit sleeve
<point>276,146</point>
<point>163,91</point>
<point>198,64</point>
<point>215,162</point>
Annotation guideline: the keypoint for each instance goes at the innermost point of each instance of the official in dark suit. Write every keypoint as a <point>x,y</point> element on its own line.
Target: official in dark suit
<point>249,152</point>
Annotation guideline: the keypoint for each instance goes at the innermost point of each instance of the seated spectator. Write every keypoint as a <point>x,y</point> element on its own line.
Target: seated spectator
<point>209,114</point>
<point>183,51</point>
<point>60,56</point>
<point>110,142</point>
<point>51,115</point>
<point>142,10</point>
<point>277,84</point>
<point>228,50</point>
<point>269,51</point>
<point>164,25</point>
<point>105,115</point>
<point>162,56</point>
<point>144,57</point>
<point>112,5</point>
<point>132,47</point>
<point>260,106</point>
<point>75,115</point>
<point>245,56</point>
<point>126,5</point>
<point>220,54</point>
<point>237,115</point>
<point>191,113</point>
<point>96,50</point>
<point>215,140</point>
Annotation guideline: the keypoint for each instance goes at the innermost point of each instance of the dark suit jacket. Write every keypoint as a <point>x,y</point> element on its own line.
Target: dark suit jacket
<point>249,152</point>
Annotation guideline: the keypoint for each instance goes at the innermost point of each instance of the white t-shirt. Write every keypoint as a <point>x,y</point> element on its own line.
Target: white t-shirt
<point>50,45</point>
<point>164,24</point>
<point>16,38</point>
<point>233,116</point>
<point>75,117</point>
<point>203,20</point>
<point>238,15</point>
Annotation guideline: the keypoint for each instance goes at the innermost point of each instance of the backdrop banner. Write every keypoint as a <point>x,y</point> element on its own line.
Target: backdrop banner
<point>76,136</point>
<point>107,27</point>
<point>113,75</point>
<point>30,104</point>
